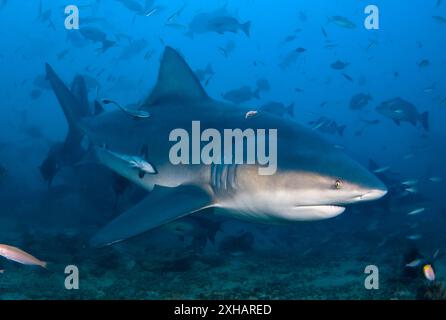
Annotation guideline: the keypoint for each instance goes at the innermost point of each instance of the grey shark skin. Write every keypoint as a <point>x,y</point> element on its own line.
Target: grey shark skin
<point>313,180</point>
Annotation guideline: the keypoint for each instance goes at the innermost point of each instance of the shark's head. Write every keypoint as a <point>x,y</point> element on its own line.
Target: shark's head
<point>313,181</point>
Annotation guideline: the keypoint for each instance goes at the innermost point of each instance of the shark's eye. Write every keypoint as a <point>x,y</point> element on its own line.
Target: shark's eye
<point>338,184</point>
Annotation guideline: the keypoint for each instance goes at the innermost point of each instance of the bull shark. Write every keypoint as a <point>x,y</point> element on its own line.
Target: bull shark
<point>313,180</point>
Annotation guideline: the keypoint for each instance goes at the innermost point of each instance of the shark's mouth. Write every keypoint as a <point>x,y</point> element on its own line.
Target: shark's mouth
<point>318,212</point>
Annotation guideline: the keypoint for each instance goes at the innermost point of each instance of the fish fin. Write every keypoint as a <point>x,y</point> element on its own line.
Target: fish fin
<point>67,100</point>
<point>72,110</point>
<point>141,174</point>
<point>341,130</point>
<point>153,211</point>
<point>246,27</point>
<point>176,80</point>
<point>397,122</point>
<point>44,264</point>
<point>424,119</point>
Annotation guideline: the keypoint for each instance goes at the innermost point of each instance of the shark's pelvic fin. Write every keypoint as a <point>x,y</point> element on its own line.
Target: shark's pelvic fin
<point>175,80</point>
<point>161,206</point>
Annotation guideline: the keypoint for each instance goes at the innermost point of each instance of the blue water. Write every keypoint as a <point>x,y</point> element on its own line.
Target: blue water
<point>316,260</point>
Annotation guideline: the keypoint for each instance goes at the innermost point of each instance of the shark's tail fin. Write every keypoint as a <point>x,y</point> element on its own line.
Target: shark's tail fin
<point>69,104</point>
<point>246,27</point>
<point>341,130</point>
<point>424,119</point>
<point>74,104</point>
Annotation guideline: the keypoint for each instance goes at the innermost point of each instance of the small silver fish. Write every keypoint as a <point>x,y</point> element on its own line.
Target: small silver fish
<point>412,190</point>
<point>415,263</point>
<point>381,170</point>
<point>414,237</point>
<point>410,182</point>
<point>416,211</point>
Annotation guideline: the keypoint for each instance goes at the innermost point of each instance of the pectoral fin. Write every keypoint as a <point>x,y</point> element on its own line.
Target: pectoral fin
<point>161,206</point>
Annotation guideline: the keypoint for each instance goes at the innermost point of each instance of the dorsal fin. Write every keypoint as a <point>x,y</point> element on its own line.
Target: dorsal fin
<point>175,80</point>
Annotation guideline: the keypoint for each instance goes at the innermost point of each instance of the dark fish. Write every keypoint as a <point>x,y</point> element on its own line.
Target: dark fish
<point>359,101</point>
<point>289,38</point>
<point>62,54</point>
<point>41,82</point>
<point>219,21</point>
<point>342,22</point>
<point>300,50</point>
<point>289,59</point>
<point>400,110</point>
<point>204,74</point>
<point>278,109</point>
<point>225,24</point>
<point>423,63</point>
<point>243,94</point>
<point>237,244</point>
<point>199,228</point>
<point>95,35</point>
<point>326,125</point>
<point>339,65</point>
<point>35,94</point>
<point>324,32</point>
<point>303,16</point>
<point>133,6</point>
<point>346,76</point>
<point>228,48</point>
<point>439,19</point>
<point>258,62</point>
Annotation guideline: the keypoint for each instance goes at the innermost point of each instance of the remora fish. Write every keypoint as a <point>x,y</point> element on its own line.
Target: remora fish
<point>312,181</point>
